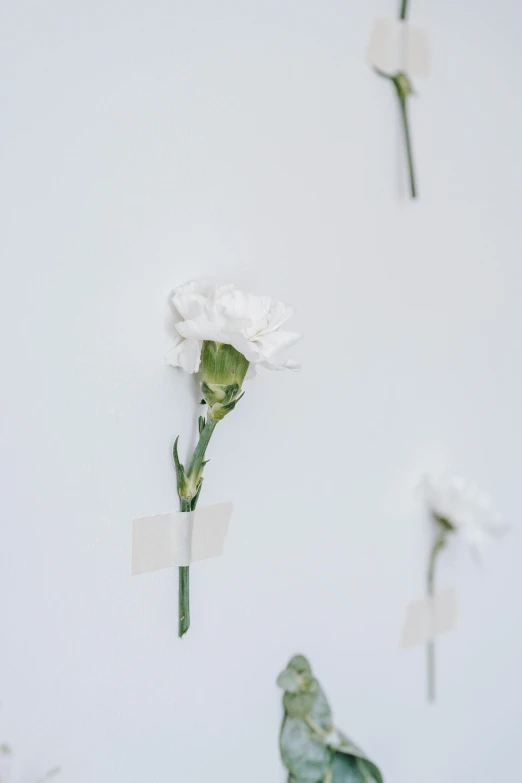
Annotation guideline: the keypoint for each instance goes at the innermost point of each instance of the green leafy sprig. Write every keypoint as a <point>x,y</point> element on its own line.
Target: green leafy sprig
<point>312,749</point>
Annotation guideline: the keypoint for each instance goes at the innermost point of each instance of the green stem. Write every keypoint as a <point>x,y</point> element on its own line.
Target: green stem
<point>404,9</point>
<point>407,140</point>
<point>199,452</point>
<point>184,586</point>
<point>189,504</point>
<point>438,545</point>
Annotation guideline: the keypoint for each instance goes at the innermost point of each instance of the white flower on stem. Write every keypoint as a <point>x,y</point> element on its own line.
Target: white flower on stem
<point>251,324</point>
<point>462,508</point>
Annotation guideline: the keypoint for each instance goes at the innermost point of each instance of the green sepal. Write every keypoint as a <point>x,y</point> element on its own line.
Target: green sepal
<point>199,477</point>
<point>444,523</point>
<point>231,392</point>
<point>196,496</point>
<point>220,411</point>
<point>402,85</point>
<point>215,393</point>
<point>181,477</point>
<point>401,82</point>
<point>221,399</point>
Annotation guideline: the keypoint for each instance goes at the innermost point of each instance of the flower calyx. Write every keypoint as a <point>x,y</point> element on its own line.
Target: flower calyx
<point>403,85</point>
<point>222,364</point>
<point>221,398</point>
<point>444,524</point>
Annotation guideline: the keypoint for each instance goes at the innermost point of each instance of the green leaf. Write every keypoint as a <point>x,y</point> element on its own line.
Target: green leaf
<point>310,744</point>
<point>299,705</point>
<point>305,757</point>
<point>300,664</point>
<point>289,680</point>
<point>345,770</point>
<point>201,423</point>
<point>368,771</point>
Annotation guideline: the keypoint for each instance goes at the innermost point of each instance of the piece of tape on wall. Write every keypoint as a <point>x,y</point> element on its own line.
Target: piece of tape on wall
<point>430,617</point>
<point>179,538</point>
<point>396,46</point>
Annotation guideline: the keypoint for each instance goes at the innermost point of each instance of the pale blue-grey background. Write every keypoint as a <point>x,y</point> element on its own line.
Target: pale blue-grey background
<point>145,143</point>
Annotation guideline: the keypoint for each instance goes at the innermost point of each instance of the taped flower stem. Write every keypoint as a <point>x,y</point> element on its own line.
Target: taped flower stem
<point>223,370</point>
<point>438,545</point>
<point>403,89</point>
<point>221,332</point>
<point>190,482</point>
<point>397,52</point>
<point>184,582</point>
<point>179,538</point>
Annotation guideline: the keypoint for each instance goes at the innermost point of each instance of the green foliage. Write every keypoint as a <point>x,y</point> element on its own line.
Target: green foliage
<point>312,749</point>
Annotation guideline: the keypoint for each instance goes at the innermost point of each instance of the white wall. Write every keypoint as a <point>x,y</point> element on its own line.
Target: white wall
<point>145,143</point>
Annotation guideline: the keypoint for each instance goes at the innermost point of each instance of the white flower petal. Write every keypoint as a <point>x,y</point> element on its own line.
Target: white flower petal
<point>286,365</point>
<point>185,354</point>
<point>200,329</point>
<point>279,313</point>
<point>190,299</point>
<point>245,308</point>
<point>224,314</point>
<point>465,506</point>
<point>271,344</point>
<point>242,345</point>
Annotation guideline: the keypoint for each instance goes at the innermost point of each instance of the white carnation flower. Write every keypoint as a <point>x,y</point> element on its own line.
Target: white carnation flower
<point>251,324</point>
<point>463,507</point>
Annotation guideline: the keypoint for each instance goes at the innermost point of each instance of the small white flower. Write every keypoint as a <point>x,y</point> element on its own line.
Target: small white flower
<point>223,314</point>
<point>464,506</point>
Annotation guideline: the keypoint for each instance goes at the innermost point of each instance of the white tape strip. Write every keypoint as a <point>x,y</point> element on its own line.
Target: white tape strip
<point>179,538</point>
<point>397,46</point>
<point>430,617</point>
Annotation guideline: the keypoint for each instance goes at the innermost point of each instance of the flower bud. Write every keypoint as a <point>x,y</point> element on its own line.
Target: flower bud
<point>223,370</point>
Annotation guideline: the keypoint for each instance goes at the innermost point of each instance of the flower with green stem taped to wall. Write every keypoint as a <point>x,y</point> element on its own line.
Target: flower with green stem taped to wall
<point>223,334</point>
<point>457,508</point>
<point>400,52</point>
<point>312,749</point>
